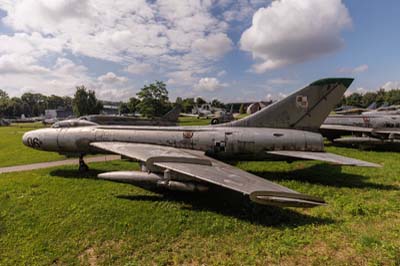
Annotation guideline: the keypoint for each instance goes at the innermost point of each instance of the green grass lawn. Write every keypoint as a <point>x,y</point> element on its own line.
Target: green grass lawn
<point>193,121</point>
<point>13,152</point>
<point>57,216</point>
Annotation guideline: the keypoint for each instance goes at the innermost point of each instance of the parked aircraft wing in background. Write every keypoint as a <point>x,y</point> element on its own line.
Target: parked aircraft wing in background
<point>346,128</point>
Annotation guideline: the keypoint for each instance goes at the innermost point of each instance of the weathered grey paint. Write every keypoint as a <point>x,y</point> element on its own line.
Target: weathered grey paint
<point>226,142</point>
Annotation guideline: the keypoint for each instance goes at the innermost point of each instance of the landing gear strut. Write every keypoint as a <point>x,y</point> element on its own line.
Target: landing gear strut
<point>82,165</point>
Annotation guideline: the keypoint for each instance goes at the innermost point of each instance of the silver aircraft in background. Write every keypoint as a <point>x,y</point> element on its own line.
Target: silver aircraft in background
<point>384,110</point>
<point>189,158</point>
<point>169,119</point>
<point>363,130</point>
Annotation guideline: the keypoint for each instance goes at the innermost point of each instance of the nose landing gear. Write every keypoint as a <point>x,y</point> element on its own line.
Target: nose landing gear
<point>83,167</point>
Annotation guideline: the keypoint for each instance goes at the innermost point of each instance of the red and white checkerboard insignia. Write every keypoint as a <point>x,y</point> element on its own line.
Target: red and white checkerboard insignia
<point>302,101</point>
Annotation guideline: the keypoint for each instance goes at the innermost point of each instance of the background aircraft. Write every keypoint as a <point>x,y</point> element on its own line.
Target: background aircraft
<point>352,110</point>
<point>366,130</point>
<point>187,158</point>
<point>169,119</point>
<point>386,110</point>
<point>222,116</point>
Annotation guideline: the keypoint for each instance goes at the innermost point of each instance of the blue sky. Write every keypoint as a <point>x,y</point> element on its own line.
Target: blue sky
<point>231,50</point>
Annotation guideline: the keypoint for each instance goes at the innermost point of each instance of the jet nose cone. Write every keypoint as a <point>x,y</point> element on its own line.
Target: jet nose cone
<point>25,139</point>
<point>32,140</point>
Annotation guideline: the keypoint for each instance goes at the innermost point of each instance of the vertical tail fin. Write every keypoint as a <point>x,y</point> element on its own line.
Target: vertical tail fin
<point>173,115</point>
<point>304,109</point>
<point>231,110</point>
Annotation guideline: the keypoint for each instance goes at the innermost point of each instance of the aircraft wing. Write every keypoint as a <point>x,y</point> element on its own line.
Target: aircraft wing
<point>347,128</point>
<point>196,165</point>
<point>325,157</point>
<point>394,132</point>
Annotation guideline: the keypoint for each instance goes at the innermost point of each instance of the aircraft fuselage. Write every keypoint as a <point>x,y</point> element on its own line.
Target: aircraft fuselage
<point>218,141</point>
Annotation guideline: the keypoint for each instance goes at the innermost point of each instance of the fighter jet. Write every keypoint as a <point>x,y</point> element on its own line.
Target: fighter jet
<point>222,116</point>
<point>4,122</point>
<point>366,130</point>
<point>205,110</point>
<point>189,158</point>
<point>384,110</point>
<point>352,110</point>
<point>169,119</point>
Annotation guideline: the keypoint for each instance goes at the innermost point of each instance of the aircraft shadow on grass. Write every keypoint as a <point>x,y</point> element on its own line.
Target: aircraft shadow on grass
<point>327,175</point>
<point>235,205</point>
<point>73,173</point>
<point>218,200</point>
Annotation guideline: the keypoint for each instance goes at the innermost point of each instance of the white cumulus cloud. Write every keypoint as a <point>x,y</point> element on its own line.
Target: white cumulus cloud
<point>293,31</point>
<point>111,77</point>
<point>214,45</point>
<point>209,84</point>
<point>178,40</point>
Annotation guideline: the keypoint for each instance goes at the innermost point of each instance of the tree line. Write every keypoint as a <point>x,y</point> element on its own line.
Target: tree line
<point>30,104</point>
<point>151,101</point>
<point>391,97</point>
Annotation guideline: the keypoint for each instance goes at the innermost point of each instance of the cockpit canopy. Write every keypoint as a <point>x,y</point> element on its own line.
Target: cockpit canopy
<point>73,123</point>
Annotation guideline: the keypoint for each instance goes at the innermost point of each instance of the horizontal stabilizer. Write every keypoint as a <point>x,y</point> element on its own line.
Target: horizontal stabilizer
<point>325,157</point>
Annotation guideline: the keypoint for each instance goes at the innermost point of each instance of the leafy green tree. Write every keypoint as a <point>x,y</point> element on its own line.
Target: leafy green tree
<point>368,98</point>
<point>392,97</point>
<point>355,99</point>
<point>153,100</point>
<point>54,101</point>
<point>380,96</point>
<point>17,106</point>
<point>217,104</point>
<point>85,102</point>
<point>133,105</point>
<point>4,100</point>
<point>3,95</point>
<point>200,101</point>
<point>187,105</point>
<point>36,103</point>
<point>123,108</point>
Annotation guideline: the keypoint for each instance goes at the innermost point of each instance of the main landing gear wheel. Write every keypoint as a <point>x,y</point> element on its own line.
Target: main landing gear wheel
<point>82,165</point>
<point>214,121</point>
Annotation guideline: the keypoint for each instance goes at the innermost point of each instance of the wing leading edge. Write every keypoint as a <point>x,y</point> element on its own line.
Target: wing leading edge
<point>197,166</point>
